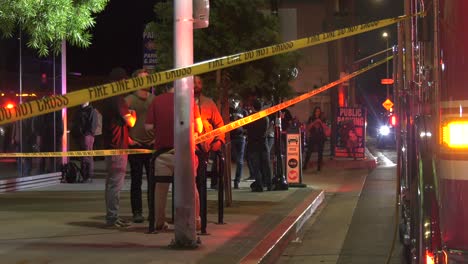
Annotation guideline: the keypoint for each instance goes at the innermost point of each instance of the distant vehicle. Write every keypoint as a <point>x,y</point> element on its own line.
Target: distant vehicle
<point>386,132</point>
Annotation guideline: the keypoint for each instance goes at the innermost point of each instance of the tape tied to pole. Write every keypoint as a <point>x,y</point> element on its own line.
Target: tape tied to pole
<point>56,102</point>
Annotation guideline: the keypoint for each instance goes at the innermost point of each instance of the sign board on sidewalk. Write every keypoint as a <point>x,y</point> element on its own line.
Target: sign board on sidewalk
<point>351,134</point>
<point>293,158</point>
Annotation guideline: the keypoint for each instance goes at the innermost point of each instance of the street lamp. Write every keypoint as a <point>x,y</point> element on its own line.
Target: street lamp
<point>386,36</point>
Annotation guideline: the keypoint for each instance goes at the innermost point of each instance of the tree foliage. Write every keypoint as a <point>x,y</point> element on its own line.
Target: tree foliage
<point>235,26</point>
<point>48,22</point>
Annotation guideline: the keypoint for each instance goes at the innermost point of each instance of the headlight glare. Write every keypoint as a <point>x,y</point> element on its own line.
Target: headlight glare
<point>384,130</point>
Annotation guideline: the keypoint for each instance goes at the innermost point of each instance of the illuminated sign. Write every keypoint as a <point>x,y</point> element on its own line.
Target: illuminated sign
<point>386,81</point>
<point>387,104</point>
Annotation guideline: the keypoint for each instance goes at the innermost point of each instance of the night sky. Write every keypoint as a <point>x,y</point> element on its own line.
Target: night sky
<point>369,91</point>
<point>117,39</point>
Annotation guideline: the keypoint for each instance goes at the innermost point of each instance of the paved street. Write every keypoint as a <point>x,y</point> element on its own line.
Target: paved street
<point>70,218</point>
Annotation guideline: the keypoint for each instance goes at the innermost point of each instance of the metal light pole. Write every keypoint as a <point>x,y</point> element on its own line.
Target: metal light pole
<point>184,181</point>
<point>385,36</point>
<point>64,91</point>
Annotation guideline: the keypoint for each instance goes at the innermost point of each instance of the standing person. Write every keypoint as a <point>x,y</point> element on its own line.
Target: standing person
<point>98,140</point>
<point>257,151</point>
<point>85,123</point>
<point>236,112</point>
<point>116,119</point>
<point>315,137</point>
<point>270,135</point>
<point>211,119</point>
<point>160,118</point>
<point>23,139</point>
<point>98,133</point>
<point>286,120</point>
<point>89,121</point>
<point>139,138</point>
<point>49,130</point>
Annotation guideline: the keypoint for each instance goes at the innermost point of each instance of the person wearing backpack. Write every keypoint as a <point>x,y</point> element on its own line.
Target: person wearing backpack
<point>317,132</point>
<point>85,125</point>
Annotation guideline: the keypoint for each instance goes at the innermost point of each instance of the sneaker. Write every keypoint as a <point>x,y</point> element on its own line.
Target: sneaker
<point>255,187</point>
<point>138,218</point>
<point>119,223</point>
<point>236,185</point>
<point>162,227</point>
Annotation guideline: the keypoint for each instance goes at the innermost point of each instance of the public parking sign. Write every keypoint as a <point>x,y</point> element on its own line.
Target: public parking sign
<point>387,104</point>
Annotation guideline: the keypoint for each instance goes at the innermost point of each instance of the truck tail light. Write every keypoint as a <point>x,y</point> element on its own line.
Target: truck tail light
<point>393,120</point>
<point>429,257</point>
<point>454,134</point>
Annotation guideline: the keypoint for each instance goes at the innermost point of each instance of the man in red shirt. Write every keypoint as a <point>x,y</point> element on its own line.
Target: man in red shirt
<point>211,119</point>
<point>160,117</point>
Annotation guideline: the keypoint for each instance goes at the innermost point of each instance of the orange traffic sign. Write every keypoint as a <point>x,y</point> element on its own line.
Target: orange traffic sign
<point>387,104</point>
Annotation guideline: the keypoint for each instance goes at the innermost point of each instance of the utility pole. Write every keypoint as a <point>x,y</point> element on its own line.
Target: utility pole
<point>184,182</point>
<point>279,180</point>
<point>64,91</point>
<point>386,36</point>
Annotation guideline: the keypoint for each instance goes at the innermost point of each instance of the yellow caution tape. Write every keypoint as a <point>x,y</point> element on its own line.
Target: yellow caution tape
<point>81,153</point>
<point>57,102</point>
<point>251,118</point>
<point>216,132</point>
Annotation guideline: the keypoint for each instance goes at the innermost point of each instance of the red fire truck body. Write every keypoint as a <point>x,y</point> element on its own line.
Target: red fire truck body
<point>453,160</point>
<point>431,69</point>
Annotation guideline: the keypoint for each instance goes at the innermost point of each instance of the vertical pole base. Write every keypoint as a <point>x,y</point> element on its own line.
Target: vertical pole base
<point>185,244</point>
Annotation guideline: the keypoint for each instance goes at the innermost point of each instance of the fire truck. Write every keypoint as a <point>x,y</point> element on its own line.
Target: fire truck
<point>431,101</point>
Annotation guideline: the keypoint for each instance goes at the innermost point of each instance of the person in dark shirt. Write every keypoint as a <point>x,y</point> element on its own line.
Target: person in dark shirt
<point>86,121</point>
<point>116,119</point>
<point>49,131</point>
<point>286,119</point>
<point>315,137</point>
<point>236,112</point>
<point>23,138</point>
<point>257,151</point>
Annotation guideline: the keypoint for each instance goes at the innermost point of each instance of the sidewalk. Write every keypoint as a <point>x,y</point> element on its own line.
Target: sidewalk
<point>64,223</point>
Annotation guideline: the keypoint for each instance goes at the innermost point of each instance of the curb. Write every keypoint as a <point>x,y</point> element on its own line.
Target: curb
<point>273,244</point>
<point>21,183</point>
